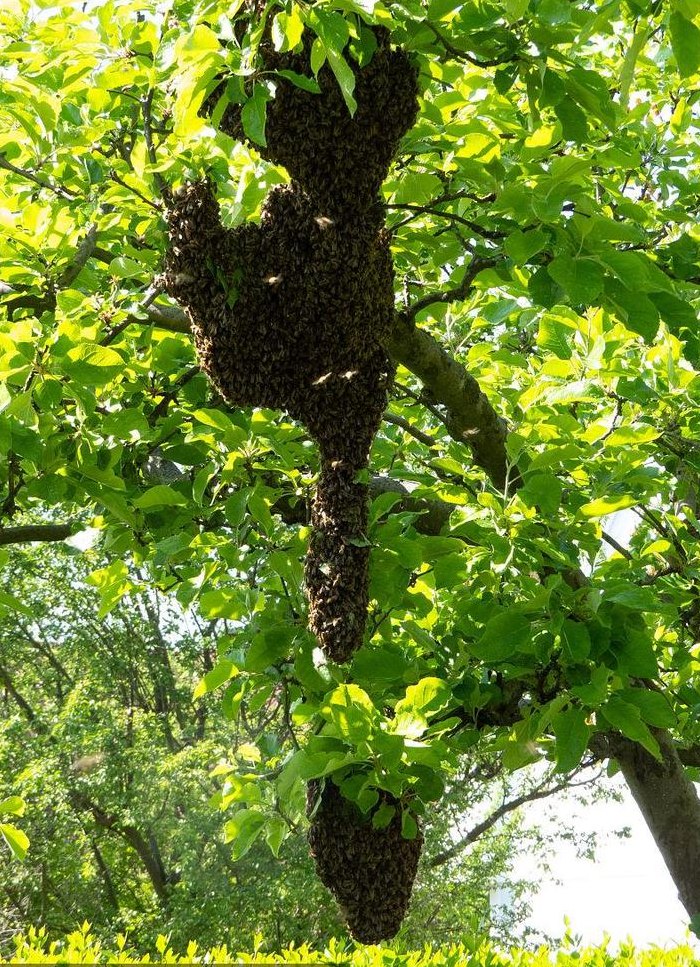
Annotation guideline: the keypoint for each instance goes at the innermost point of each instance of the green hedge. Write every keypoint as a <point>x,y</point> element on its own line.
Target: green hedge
<point>81,947</point>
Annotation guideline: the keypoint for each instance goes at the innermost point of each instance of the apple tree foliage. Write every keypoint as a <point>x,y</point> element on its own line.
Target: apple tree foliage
<point>535,595</point>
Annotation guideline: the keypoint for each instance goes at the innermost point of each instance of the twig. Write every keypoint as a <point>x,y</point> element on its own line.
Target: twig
<point>617,546</point>
<point>146,104</point>
<point>458,294</point>
<point>409,428</point>
<point>491,235</point>
<point>30,176</point>
<point>464,55</point>
<point>134,191</point>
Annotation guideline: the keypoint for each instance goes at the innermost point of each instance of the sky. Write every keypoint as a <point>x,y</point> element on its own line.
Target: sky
<point>626,892</point>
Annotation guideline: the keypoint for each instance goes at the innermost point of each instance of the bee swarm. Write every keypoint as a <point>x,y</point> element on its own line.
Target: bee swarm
<point>369,871</point>
<point>291,314</point>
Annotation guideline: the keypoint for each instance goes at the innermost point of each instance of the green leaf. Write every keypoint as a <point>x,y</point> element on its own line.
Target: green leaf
<point>254,115</point>
<point>223,603</point>
<point>13,806</point>
<point>91,365</point>
<point>654,707</point>
<point>125,268</point>
<point>235,507</point>
<point>416,188</point>
<point>259,507</point>
<point>503,636</point>
<point>607,505</point>
<point>219,675</point>
<point>685,41</point>
<point>628,719</point>
<point>556,333</point>
<point>333,32</point>
<point>409,826</point>
<point>580,278</point>
<point>589,89</point>
<point>345,77</point>
<point>269,647</point>
<point>15,839</point>
<point>572,735</point>
<point>332,28</point>
<point>573,121</point>
<point>522,245</point>
<point>12,603</point>
<point>383,816</point>
<point>542,490</point>
<point>428,696</point>
<point>243,829</point>
<point>352,712</point>
<point>276,831</point>
<point>160,496</point>
<point>575,641</point>
<point>381,663</point>
<point>301,80</point>
<point>635,654</point>
<point>287,29</point>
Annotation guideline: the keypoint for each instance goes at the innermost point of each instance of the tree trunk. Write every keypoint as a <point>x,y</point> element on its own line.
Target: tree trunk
<point>670,806</point>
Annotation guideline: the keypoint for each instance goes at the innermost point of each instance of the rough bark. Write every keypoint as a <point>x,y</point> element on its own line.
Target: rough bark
<point>669,803</point>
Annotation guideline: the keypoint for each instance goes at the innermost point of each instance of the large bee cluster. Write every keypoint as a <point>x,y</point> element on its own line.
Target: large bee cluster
<point>291,314</point>
<point>369,871</point>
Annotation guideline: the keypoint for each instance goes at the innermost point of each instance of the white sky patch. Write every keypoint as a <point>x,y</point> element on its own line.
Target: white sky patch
<point>626,892</point>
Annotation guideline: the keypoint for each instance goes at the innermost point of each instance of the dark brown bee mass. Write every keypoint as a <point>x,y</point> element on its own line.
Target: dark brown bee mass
<point>291,314</point>
<point>369,871</point>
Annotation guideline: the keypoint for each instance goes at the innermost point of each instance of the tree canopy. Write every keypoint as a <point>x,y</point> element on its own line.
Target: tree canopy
<point>542,216</point>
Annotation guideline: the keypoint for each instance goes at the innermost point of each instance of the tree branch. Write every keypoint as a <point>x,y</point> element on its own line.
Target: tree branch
<point>540,792</point>
<point>458,294</point>
<point>36,532</point>
<point>47,303</point>
<point>409,428</point>
<point>458,54</point>
<point>469,417</point>
<point>30,176</point>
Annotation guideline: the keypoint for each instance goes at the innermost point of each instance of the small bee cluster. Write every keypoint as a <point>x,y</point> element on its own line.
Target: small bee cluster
<point>369,871</point>
<point>292,313</point>
<point>340,159</point>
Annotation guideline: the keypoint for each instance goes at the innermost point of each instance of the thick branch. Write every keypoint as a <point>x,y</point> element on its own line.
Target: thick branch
<point>690,757</point>
<point>23,704</point>
<point>669,802</point>
<point>469,416</point>
<point>151,862</point>
<point>36,532</point>
<point>84,251</point>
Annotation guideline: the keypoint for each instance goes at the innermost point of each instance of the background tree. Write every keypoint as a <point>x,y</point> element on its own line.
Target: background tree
<point>542,213</point>
<point>120,768</point>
